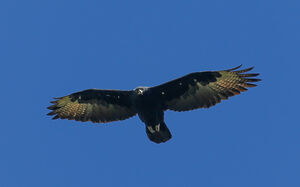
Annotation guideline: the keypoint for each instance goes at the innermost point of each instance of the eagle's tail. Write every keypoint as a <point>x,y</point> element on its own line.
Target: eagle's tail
<point>158,133</point>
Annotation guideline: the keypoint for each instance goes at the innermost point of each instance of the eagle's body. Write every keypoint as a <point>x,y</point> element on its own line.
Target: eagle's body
<point>151,112</point>
<point>195,90</point>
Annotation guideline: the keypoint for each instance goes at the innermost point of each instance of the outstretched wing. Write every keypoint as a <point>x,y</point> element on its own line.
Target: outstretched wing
<point>94,105</point>
<point>203,89</point>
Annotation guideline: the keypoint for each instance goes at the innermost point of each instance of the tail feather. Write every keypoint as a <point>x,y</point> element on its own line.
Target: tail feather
<point>158,133</point>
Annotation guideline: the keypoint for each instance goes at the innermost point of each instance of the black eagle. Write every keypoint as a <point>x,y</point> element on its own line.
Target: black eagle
<point>195,90</point>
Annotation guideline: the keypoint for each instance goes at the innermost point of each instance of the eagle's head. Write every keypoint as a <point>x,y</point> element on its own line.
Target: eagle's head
<point>140,90</point>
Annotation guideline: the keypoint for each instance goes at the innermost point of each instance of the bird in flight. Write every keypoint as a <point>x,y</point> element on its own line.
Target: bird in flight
<point>192,91</point>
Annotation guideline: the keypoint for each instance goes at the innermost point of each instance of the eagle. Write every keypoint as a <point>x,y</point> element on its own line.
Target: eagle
<point>192,91</point>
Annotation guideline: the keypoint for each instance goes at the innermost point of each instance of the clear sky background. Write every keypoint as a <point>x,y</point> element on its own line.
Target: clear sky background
<point>54,48</point>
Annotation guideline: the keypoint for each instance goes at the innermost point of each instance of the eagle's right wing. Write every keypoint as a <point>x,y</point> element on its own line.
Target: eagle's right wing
<point>203,89</point>
<point>94,105</point>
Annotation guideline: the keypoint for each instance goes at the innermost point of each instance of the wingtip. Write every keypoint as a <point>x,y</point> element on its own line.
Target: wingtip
<point>51,113</point>
<point>244,70</point>
<point>250,85</point>
<point>252,80</point>
<point>55,117</point>
<point>235,68</point>
<point>52,107</point>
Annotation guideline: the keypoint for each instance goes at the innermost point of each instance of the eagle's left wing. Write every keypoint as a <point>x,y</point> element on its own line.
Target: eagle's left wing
<point>203,89</point>
<point>98,106</point>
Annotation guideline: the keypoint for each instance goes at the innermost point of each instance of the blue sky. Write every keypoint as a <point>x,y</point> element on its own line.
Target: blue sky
<point>53,48</point>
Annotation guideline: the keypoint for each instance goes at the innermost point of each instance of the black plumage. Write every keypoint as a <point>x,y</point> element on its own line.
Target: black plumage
<point>195,90</point>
